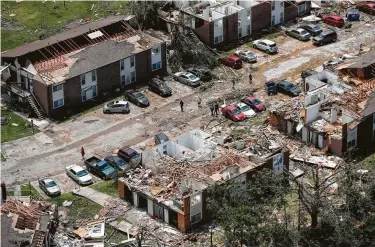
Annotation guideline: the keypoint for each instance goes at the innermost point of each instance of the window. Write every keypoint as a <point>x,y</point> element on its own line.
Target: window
<point>94,91</point>
<point>83,79</point>
<point>352,138</point>
<point>248,29</point>
<point>156,66</point>
<point>351,144</point>
<point>301,8</point>
<point>122,64</point>
<point>239,32</point>
<point>58,103</point>
<point>132,75</point>
<point>281,17</point>
<point>218,39</point>
<point>132,61</point>
<point>155,50</point>
<point>248,14</point>
<point>219,23</point>
<point>93,75</point>
<point>123,80</point>
<point>196,218</point>
<point>57,87</point>
<point>273,21</point>
<point>273,5</point>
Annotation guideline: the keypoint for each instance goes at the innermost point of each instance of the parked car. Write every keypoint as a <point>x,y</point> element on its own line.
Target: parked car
<point>254,103</point>
<point>130,155</point>
<point>313,30</point>
<point>327,36</point>
<point>232,61</point>
<point>118,163</point>
<point>78,174</point>
<point>136,98</point>
<point>203,74</point>
<point>288,88</point>
<point>271,87</point>
<point>246,110</point>
<point>367,7</point>
<point>160,138</point>
<point>49,186</point>
<point>334,20</point>
<point>246,56</point>
<point>265,45</point>
<point>187,79</point>
<point>332,62</point>
<point>308,72</point>
<point>158,86</point>
<point>232,112</point>
<point>117,106</point>
<point>299,33</point>
<point>100,168</point>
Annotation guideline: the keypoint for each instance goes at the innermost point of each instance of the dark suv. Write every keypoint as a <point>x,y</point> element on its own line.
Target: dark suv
<point>327,36</point>
<point>158,86</point>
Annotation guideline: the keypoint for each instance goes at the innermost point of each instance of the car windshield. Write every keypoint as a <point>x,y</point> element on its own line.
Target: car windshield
<point>272,45</point>
<point>303,32</point>
<point>245,108</point>
<point>316,28</point>
<point>51,184</point>
<point>138,95</point>
<point>256,102</point>
<point>250,54</point>
<point>192,77</point>
<point>111,103</point>
<point>82,173</point>
<point>290,86</point>
<point>104,166</point>
<point>236,111</point>
<point>321,36</point>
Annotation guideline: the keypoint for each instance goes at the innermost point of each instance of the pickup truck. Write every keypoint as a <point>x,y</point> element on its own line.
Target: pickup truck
<point>271,88</point>
<point>100,167</point>
<point>130,155</point>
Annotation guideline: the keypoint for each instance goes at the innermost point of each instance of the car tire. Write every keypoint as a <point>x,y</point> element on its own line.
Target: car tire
<point>334,40</point>
<point>124,111</point>
<point>321,43</point>
<point>107,112</point>
<point>255,46</point>
<point>268,51</point>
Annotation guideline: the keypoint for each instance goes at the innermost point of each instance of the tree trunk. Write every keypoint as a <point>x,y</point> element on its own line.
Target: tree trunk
<point>314,218</point>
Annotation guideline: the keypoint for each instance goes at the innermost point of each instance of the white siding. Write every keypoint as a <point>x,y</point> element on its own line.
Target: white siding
<point>218,31</point>
<point>166,216</point>
<point>126,70</point>
<point>135,199</point>
<point>278,12</point>
<point>245,16</point>
<point>352,138</point>
<point>89,88</point>
<point>150,207</point>
<point>196,207</point>
<point>156,61</point>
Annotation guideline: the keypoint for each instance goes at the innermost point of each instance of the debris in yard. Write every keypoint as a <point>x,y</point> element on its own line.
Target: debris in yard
<point>67,203</point>
<point>14,124</point>
<point>103,212</point>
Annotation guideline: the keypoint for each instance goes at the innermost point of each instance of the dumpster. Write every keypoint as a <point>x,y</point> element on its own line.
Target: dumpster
<point>353,15</point>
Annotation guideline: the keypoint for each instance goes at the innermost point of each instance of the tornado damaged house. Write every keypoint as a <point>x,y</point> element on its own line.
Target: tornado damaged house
<point>217,23</point>
<point>175,175</point>
<point>84,62</point>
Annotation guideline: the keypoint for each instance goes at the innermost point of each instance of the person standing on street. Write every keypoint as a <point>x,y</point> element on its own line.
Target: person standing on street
<point>199,101</point>
<point>360,48</point>
<point>216,109</point>
<point>83,153</point>
<point>182,105</point>
<point>234,83</point>
<point>212,109</point>
<point>250,78</point>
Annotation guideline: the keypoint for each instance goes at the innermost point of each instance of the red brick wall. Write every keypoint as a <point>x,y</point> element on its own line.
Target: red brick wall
<point>43,94</point>
<point>365,141</point>
<point>260,17</point>
<point>290,12</point>
<point>205,33</point>
<point>231,28</point>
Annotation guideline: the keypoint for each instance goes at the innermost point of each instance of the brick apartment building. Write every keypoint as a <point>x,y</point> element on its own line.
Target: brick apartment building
<point>219,23</point>
<point>85,61</point>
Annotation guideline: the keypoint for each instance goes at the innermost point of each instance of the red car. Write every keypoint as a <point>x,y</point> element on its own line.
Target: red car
<point>334,20</point>
<point>254,103</point>
<point>367,7</point>
<point>232,61</point>
<point>233,113</point>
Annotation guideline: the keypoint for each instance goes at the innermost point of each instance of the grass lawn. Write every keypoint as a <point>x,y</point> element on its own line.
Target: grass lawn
<point>10,132</point>
<point>28,21</point>
<point>108,187</point>
<point>82,208</point>
<point>3,158</point>
<point>116,235</point>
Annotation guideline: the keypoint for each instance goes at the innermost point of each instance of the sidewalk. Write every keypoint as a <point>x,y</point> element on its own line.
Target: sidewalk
<point>93,195</point>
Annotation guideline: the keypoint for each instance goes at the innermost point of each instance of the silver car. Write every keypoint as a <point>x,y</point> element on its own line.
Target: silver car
<point>246,56</point>
<point>78,174</point>
<point>300,34</point>
<point>187,78</point>
<point>117,106</point>
<point>49,186</point>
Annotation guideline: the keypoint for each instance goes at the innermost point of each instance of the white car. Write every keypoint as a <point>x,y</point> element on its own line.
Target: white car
<point>265,45</point>
<point>246,110</point>
<point>187,78</point>
<point>78,174</point>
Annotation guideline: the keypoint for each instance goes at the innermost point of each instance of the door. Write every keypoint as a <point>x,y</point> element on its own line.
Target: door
<point>89,94</point>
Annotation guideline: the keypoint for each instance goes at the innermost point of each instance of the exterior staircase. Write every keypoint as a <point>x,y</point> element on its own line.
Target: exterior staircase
<point>36,107</point>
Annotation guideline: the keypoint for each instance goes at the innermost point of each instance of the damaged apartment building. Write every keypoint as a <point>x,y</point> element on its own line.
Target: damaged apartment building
<point>173,183</point>
<point>83,62</point>
<point>332,115</point>
<point>217,23</point>
<point>28,224</point>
